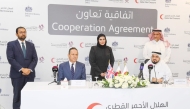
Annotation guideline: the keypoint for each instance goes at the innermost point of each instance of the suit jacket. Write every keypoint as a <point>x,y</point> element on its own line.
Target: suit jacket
<point>17,61</point>
<point>65,71</point>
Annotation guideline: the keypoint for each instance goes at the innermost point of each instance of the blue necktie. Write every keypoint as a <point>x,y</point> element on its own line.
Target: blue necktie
<point>23,49</point>
<point>72,71</point>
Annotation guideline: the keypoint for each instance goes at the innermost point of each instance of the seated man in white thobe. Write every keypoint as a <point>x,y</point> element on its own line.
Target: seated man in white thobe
<point>159,71</point>
<point>157,43</point>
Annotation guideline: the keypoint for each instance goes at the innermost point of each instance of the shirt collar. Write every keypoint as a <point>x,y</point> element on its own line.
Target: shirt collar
<point>21,41</point>
<point>72,63</point>
<point>156,42</point>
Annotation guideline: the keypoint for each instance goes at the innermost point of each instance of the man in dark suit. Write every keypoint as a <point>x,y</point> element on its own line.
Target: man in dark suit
<point>72,69</point>
<point>22,57</point>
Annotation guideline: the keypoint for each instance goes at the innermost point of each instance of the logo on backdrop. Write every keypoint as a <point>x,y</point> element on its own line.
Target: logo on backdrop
<point>119,1</point>
<point>41,27</point>
<point>167,32</point>
<point>3,43</point>
<point>29,12</point>
<point>139,46</point>
<point>58,60</point>
<point>91,106</point>
<point>186,61</point>
<point>146,1</point>
<point>4,76</point>
<point>30,40</point>
<point>71,44</point>
<point>125,59</point>
<point>41,59</point>
<point>175,74</point>
<point>91,1</point>
<point>137,60</point>
<point>115,46</point>
<point>6,9</point>
<point>187,32</point>
<point>169,17</point>
<point>169,3</point>
<point>59,45</point>
<point>3,94</point>
<point>87,61</point>
<point>2,28</point>
<point>170,62</point>
<point>82,44</point>
<point>118,61</point>
<point>188,47</point>
<point>174,46</point>
<point>35,28</point>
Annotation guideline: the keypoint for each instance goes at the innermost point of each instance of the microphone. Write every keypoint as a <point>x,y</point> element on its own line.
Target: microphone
<point>155,76</point>
<point>141,71</point>
<point>150,67</point>
<point>146,60</point>
<point>55,70</point>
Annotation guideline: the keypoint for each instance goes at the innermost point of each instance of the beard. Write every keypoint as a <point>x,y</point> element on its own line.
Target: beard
<point>154,62</point>
<point>22,38</point>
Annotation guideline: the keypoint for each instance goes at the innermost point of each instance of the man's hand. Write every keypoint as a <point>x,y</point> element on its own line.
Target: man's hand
<point>157,80</point>
<point>25,71</point>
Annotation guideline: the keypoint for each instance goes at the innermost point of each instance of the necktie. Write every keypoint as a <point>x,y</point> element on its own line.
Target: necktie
<point>23,49</point>
<point>72,71</point>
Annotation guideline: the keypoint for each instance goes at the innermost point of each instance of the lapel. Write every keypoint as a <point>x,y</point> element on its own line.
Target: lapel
<point>27,49</point>
<point>19,47</point>
<point>68,69</point>
<point>76,69</point>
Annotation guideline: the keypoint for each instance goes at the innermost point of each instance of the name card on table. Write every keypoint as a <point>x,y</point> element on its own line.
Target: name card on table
<point>77,82</point>
<point>180,81</point>
<point>64,85</point>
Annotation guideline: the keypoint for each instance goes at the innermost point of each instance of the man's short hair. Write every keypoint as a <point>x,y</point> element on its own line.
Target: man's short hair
<point>72,48</point>
<point>19,28</point>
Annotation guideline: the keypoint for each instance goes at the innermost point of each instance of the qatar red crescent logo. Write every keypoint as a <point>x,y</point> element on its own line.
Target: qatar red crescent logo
<point>135,60</point>
<point>81,45</point>
<point>161,16</point>
<point>53,60</point>
<point>91,106</point>
<point>136,1</point>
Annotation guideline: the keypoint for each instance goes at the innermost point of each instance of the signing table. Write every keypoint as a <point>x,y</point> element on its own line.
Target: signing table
<point>40,95</point>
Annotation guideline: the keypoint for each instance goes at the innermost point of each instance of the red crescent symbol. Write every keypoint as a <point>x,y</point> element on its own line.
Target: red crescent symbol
<point>136,1</point>
<point>81,44</point>
<point>52,60</point>
<point>135,60</point>
<point>92,105</point>
<point>161,16</point>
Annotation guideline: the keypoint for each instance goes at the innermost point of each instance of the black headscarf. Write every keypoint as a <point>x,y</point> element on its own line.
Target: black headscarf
<point>98,44</point>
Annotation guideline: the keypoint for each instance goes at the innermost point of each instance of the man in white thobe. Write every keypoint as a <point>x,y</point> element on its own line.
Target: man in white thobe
<point>157,43</point>
<point>160,69</point>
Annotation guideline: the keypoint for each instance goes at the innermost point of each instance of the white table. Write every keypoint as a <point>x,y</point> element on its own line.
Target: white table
<point>40,95</point>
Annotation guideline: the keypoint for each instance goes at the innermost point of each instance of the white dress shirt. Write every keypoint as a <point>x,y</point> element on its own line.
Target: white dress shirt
<point>159,47</point>
<point>159,70</point>
<point>20,42</point>
<point>70,63</point>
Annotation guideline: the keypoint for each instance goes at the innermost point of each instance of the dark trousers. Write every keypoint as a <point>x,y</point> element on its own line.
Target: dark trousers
<point>18,84</point>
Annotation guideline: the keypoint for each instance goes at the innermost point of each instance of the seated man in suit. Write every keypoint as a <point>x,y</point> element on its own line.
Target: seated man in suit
<point>160,69</point>
<point>72,69</point>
